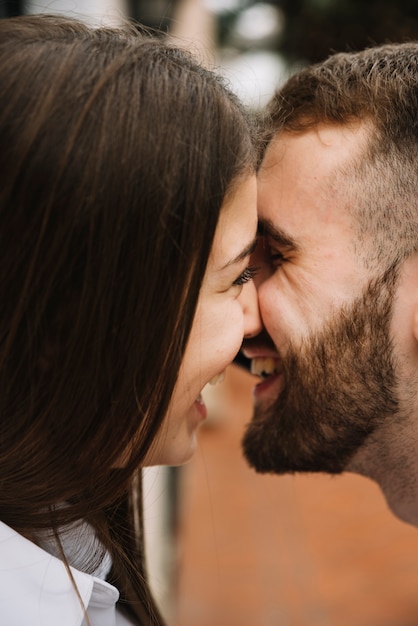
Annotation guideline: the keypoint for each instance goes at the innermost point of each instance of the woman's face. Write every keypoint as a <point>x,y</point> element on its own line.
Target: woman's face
<point>227,310</point>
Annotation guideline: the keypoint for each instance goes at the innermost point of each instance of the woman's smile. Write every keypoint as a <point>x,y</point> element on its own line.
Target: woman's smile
<point>227,311</point>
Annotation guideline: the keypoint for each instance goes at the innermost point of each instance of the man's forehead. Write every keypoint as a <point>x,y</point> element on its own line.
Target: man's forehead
<point>272,156</point>
<point>343,139</point>
<point>305,192</point>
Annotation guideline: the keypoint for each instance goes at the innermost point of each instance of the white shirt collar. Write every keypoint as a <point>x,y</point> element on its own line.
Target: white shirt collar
<point>35,588</point>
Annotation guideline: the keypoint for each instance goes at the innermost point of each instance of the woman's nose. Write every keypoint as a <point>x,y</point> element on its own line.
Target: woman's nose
<point>249,303</point>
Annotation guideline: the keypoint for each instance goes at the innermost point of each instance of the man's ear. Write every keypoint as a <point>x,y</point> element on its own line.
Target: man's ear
<point>414,263</point>
<point>415,320</point>
<point>406,304</point>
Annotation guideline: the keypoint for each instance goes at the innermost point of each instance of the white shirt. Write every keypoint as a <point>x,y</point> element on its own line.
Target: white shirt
<point>36,590</point>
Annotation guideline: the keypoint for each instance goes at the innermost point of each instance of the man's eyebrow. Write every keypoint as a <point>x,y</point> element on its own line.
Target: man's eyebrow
<point>266,228</point>
<point>243,254</point>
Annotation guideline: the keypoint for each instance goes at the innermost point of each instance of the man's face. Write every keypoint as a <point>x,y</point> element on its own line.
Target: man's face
<point>333,390</point>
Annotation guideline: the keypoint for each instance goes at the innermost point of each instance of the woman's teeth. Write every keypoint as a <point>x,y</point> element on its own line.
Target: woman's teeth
<point>217,379</point>
<point>261,366</point>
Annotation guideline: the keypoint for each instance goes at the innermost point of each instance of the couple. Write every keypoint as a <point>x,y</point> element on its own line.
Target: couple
<point>128,228</point>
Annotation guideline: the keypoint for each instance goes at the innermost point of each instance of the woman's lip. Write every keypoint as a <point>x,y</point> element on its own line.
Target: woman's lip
<point>201,407</point>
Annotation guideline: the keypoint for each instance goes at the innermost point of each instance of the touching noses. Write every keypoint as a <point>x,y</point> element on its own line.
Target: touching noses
<point>249,303</point>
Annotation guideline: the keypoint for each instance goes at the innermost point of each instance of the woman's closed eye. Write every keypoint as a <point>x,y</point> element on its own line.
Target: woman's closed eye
<point>247,275</point>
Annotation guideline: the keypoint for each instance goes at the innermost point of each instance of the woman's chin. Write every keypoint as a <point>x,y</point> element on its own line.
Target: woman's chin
<point>174,452</point>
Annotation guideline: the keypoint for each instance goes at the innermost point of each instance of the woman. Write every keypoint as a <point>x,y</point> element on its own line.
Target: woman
<point>127,217</point>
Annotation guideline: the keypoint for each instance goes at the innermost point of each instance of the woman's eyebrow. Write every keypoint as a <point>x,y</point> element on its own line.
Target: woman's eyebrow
<point>249,249</point>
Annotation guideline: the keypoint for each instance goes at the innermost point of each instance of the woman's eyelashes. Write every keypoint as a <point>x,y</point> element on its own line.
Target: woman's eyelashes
<point>247,275</point>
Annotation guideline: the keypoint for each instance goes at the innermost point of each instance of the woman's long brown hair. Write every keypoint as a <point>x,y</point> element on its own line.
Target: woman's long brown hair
<point>117,151</point>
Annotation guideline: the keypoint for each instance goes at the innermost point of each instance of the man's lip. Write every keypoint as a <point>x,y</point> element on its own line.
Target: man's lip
<point>263,352</point>
<point>268,388</point>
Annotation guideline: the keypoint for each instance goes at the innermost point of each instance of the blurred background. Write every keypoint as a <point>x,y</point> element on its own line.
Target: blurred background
<point>227,547</point>
<point>255,43</point>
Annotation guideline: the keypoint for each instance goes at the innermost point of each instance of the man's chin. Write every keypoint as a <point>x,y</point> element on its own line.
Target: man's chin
<point>268,450</point>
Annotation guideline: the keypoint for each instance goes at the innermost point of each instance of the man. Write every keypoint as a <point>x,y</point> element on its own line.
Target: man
<point>338,286</point>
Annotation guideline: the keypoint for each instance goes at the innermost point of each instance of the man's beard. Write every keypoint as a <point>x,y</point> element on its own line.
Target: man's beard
<point>339,387</point>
